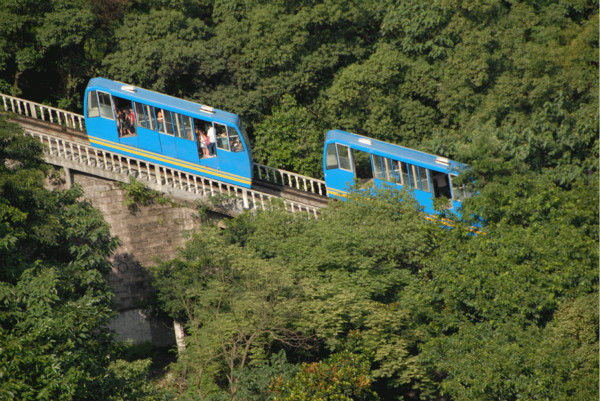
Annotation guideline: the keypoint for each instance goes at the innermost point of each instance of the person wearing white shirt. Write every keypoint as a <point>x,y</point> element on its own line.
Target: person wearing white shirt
<point>212,139</point>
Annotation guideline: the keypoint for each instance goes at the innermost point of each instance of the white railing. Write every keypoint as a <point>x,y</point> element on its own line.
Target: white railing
<point>77,121</point>
<point>161,177</point>
<point>289,179</point>
<point>43,112</point>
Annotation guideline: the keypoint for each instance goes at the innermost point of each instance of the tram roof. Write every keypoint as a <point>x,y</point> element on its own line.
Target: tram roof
<point>160,99</point>
<point>395,152</point>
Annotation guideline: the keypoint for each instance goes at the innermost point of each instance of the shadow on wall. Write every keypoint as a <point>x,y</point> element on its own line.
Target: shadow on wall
<point>130,282</point>
<point>136,323</point>
<point>138,326</point>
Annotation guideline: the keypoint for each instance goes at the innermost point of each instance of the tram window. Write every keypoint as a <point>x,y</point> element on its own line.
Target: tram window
<point>234,140</point>
<point>377,167</point>
<point>414,176</point>
<point>126,121</point>
<point>178,126</point>
<point>382,168</point>
<point>187,127</point>
<point>167,124</point>
<point>160,120</point>
<point>244,136</point>
<point>92,105</point>
<point>331,157</point>
<point>424,179</point>
<point>397,172</point>
<point>183,126</point>
<point>150,119</point>
<point>144,115</point>
<point>387,169</point>
<point>140,117</point>
<point>222,139</point>
<point>201,125</point>
<point>200,132</point>
<point>105,103</point>
<point>343,152</point>
<point>459,192</point>
<point>405,174</point>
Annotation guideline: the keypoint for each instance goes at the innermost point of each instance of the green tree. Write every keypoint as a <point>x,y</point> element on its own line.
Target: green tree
<point>415,27</point>
<point>344,376</point>
<point>326,278</point>
<point>161,49</point>
<point>388,96</point>
<point>50,49</point>
<point>235,307</point>
<point>353,265</point>
<point>504,361</point>
<point>255,379</point>
<point>55,302</point>
<point>262,51</point>
<point>19,52</point>
<point>569,350</point>
<point>290,139</point>
<point>492,300</point>
<point>65,35</point>
<point>507,61</point>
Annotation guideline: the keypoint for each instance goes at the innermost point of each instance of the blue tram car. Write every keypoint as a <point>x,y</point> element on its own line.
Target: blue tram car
<point>353,160</point>
<point>166,130</point>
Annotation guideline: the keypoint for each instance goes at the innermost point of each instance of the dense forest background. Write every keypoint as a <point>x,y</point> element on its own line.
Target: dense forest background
<point>369,301</point>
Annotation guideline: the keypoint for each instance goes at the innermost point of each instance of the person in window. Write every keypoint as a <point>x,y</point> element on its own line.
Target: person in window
<point>131,115</point>
<point>199,141</point>
<point>212,139</point>
<point>204,143</point>
<point>129,122</point>
<point>441,187</point>
<point>223,141</point>
<point>236,145</point>
<point>160,120</point>
<point>121,123</point>
<point>202,147</point>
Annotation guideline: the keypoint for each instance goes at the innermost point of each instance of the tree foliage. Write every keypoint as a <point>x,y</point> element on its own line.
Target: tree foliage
<point>509,87</point>
<point>292,139</point>
<point>234,307</point>
<point>55,301</point>
<point>440,312</point>
<point>160,50</point>
<point>60,38</point>
<point>344,376</point>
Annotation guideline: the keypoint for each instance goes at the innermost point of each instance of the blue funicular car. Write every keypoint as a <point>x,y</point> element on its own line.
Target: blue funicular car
<point>163,129</point>
<point>351,160</point>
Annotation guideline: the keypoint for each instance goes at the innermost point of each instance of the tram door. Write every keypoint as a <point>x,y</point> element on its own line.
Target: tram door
<point>363,170</point>
<point>146,126</point>
<point>184,138</point>
<point>166,132</point>
<point>201,132</point>
<point>125,118</point>
<point>441,186</point>
<point>339,173</point>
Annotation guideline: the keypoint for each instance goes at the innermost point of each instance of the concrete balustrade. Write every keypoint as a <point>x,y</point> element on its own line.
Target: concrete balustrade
<point>289,179</point>
<point>43,112</point>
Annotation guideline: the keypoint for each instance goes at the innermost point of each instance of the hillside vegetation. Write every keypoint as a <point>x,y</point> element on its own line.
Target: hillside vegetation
<point>369,301</point>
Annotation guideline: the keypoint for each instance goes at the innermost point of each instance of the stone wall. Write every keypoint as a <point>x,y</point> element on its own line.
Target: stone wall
<point>151,232</point>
